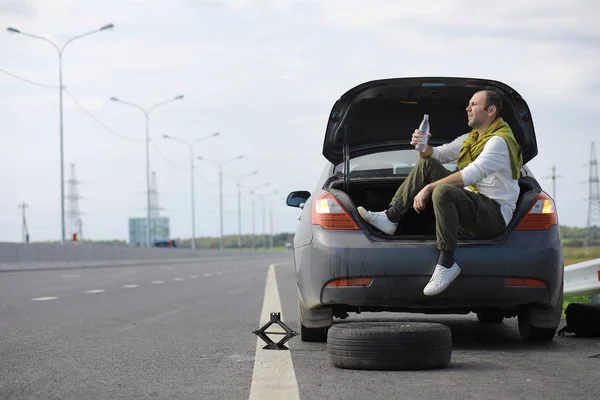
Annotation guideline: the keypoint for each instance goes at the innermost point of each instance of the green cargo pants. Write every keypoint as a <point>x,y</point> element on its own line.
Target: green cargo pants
<point>456,210</point>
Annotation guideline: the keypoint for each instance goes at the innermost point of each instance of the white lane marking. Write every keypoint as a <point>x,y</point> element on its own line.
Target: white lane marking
<point>273,376</point>
<point>44,298</point>
<point>157,282</point>
<point>194,276</point>
<point>208,274</point>
<point>95,291</point>
<point>130,286</point>
<point>71,276</point>
<point>177,279</point>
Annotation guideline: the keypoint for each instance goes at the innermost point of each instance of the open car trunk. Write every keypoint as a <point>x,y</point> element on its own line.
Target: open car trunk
<point>375,195</point>
<point>375,121</point>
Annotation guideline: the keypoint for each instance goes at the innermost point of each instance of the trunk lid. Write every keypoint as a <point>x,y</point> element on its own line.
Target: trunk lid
<point>382,114</point>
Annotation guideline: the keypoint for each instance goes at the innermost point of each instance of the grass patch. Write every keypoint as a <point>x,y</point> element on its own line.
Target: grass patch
<point>574,255</point>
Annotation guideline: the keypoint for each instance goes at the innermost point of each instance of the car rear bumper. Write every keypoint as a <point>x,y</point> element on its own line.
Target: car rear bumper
<point>400,271</point>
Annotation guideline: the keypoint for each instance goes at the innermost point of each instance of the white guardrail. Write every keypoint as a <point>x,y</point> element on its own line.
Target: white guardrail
<point>583,278</point>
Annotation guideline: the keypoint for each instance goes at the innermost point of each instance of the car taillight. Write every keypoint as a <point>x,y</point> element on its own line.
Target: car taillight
<point>541,216</point>
<point>329,214</point>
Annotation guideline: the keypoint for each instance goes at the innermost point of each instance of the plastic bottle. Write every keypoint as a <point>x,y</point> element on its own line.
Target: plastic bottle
<point>424,128</point>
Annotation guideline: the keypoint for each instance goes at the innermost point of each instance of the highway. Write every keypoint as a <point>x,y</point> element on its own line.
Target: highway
<point>184,331</point>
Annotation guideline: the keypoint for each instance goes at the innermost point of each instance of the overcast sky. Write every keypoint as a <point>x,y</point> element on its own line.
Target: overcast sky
<point>264,74</point>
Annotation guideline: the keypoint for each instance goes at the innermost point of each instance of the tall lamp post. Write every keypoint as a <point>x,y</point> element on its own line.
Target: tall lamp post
<point>238,182</point>
<point>60,51</point>
<point>147,115</point>
<point>264,201</point>
<point>191,147</point>
<point>252,194</point>
<point>220,166</point>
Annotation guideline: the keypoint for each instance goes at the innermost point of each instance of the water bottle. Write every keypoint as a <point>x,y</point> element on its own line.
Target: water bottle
<point>424,128</point>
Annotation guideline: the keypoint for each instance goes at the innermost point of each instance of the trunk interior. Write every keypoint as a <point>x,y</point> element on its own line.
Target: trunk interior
<point>375,195</point>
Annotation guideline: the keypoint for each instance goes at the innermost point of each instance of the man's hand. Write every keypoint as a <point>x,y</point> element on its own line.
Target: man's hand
<point>421,198</point>
<point>416,137</point>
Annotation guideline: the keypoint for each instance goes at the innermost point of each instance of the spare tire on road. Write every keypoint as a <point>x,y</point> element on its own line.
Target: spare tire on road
<point>389,345</point>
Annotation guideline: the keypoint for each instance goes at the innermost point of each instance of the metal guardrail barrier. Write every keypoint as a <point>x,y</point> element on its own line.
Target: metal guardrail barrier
<point>582,279</point>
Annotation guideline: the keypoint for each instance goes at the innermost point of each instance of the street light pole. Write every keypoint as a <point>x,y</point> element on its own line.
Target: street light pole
<point>59,51</point>
<point>192,168</point>
<point>264,201</point>
<point>220,167</point>
<point>147,117</point>
<point>252,194</point>
<point>238,181</point>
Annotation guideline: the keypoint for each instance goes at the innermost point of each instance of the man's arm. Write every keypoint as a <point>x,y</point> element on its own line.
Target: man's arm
<point>454,179</point>
<point>493,158</point>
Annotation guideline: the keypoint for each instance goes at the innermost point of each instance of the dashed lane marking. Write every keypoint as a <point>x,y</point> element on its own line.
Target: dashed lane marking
<point>194,276</point>
<point>130,286</point>
<point>156,282</point>
<point>178,279</point>
<point>44,298</point>
<point>93,291</point>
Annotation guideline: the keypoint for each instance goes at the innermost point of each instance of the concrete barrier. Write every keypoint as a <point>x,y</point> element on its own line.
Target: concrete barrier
<point>21,256</point>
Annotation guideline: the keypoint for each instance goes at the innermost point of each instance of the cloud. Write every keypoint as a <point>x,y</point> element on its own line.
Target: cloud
<point>265,74</point>
<point>16,8</point>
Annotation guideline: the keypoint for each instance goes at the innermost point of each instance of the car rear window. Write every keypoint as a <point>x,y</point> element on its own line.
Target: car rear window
<point>385,164</point>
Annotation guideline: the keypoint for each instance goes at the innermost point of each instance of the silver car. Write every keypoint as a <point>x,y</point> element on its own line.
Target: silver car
<point>343,265</point>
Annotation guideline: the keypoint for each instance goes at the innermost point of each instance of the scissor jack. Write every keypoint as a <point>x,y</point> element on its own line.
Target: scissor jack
<point>271,345</point>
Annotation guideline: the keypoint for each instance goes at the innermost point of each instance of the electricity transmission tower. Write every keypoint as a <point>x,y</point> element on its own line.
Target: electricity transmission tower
<point>25,230</point>
<point>154,207</point>
<point>593,219</point>
<point>74,213</point>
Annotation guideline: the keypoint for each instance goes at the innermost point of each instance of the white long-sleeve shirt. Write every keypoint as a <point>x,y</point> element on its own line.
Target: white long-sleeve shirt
<point>491,172</point>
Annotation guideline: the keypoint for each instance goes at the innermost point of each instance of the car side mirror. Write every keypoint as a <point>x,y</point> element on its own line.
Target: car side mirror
<point>298,198</point>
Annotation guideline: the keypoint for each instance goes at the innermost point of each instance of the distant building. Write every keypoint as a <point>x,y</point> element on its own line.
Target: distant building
<point>158,233</point>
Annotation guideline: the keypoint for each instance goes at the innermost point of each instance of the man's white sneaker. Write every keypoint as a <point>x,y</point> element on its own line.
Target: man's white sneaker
<point>379,220</point>
<point>442,277</point>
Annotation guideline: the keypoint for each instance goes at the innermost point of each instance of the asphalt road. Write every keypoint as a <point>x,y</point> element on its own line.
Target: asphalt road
<point>185,331</point>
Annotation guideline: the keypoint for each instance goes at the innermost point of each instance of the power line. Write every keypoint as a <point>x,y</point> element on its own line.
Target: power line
<point>173,165</point>
<point>165,159</point>
<point>124,137</point>
<point>29,81</point>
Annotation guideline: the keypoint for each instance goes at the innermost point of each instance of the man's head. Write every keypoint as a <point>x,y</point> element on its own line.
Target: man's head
<point>483,109</point>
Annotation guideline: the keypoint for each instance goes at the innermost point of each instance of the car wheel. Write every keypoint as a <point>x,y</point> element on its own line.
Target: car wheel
<point>540,324</point>
<point>313,324</point>
<point>389,345</point>
<point>310,334</point>
<point>490,317</point>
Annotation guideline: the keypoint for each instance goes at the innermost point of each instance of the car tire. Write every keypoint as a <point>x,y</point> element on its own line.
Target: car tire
<point>389,345</point>
<point>490,317</point>
<point>313,324</point>
<point>318,335</point>
<point>540,324</point>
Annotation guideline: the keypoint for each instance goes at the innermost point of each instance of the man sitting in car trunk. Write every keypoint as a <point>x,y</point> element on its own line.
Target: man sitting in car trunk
<point>479,199</point>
